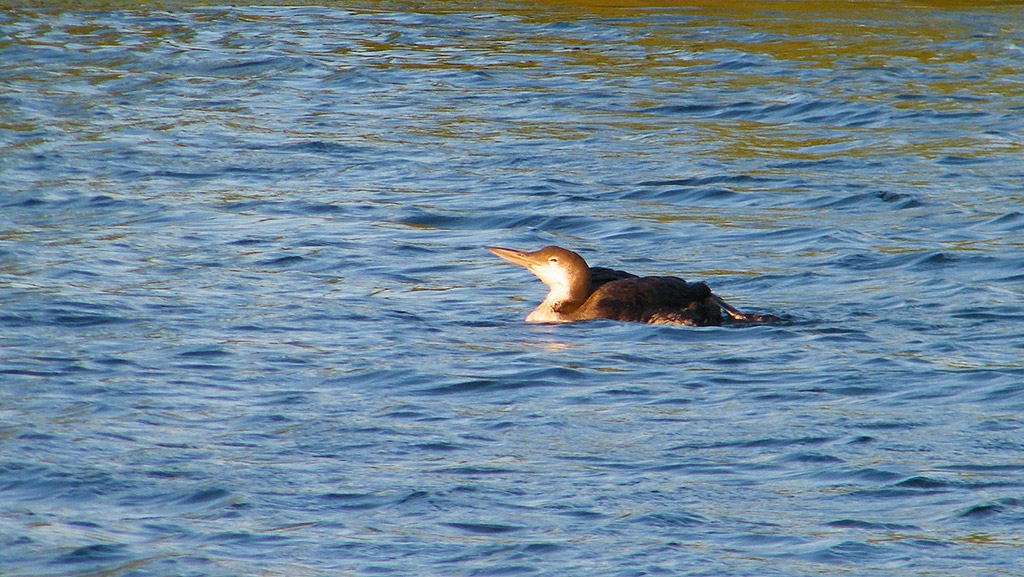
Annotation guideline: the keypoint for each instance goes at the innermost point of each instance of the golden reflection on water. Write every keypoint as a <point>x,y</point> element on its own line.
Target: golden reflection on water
<point>808,50</point>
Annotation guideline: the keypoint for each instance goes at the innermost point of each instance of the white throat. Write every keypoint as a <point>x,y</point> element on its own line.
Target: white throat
<point>559,293</point>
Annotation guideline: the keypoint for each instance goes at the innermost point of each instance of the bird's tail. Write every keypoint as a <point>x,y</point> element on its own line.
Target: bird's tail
<point>736,315</point>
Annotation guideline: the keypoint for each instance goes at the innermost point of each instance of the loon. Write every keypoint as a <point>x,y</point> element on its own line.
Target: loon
<point>579,292</point>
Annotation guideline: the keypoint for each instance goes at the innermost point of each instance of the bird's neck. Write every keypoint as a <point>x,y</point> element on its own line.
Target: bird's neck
<point>562,301</point>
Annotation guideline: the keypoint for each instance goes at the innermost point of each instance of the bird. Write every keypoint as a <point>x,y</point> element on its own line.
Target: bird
<point>579,292</point>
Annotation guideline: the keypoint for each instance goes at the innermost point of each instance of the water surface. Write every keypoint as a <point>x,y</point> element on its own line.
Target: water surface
<point>247,325</point>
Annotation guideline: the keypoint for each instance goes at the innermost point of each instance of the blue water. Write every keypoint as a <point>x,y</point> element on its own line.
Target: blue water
<point>247,326</point>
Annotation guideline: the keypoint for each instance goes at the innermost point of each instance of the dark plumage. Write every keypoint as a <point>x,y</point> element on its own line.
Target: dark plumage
<point>578,293</point>
<point>653,300</point>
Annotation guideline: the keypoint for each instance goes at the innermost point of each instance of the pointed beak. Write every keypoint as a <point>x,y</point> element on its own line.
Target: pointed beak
<point>513,256</point>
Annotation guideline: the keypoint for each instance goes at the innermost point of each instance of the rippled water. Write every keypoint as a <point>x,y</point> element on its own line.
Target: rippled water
<point>247,325</point>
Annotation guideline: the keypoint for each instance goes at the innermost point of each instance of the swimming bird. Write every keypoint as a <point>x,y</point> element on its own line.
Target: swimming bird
<point>578,292</point>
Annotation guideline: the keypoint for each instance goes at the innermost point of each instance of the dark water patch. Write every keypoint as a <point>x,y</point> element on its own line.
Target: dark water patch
<point>960,161</point>
<point>244,539</point>
<point>791,234</point>
<point>901,200</point>
<point>204,353</point>
<point>1000,425</point>
<point>1010,508</point>
<point>172,474</point>
<point>496,426</point>
<point>85,320</point>
<point>550,377</point>
<point>820,111</point>
<point>410,412</point>
<point>896,200</point>
<point>45,485</point>
<point>542,548</point>
<point>187,175</point>
<point>112,361</point>
<point>325,208</point>
<point>858,391</point>
<point>702,194</point>
<point>849,552</point>
<point>251,242</point>
<point>283,261</point>
<point>438,447</point>
<point>1011,469</point>
<point>29,202</point>
<point>700,181</point>
<point>484,528</point>
<point>101,552</point>
<point>507,570</point>
<point>804,111</point>
<point>925,483</point>
<point>353,501</point>
<point>697,189</point>
<point>935,260</point>
<point>778,442</point>
<point>325,147</point>
<point>871,526</point>
<point>669,520</point>
<point>909,488</point>
<point>732,444</point>
<point>102,200</point>
<point>581,513</point>
<point>805,165</point>
<point>31,373</point>
<point>873,475</point>
<point>927,545</point>
<point>205,496</point>
<point>876,261</point>
<point>810,458</point>
<point>986,314</point>
<point>1011,221</point>
<point>761,540</point>
<point>414,497</point>
<point>271,67</point>
<point>435,220</point>
<point>360,375</point>
<point>471,471</point>
<point>693,109</point>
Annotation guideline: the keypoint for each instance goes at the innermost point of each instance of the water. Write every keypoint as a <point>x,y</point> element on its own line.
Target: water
<point>247,325</point>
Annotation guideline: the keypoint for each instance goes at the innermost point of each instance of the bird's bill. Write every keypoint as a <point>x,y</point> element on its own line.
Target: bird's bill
<point>513,256</point>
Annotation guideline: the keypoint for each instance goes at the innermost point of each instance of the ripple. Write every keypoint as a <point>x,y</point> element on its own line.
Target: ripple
<point>95,553</point>
<point>671,520</point>
<point>354,501</point>
<point>999,507</point>
<point>483,528</point>
<point>871,526</point>
<point>205,496</point>
<point>849,552</point>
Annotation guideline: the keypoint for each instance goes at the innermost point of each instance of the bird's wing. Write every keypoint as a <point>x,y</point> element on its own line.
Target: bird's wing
<point>600,275</point>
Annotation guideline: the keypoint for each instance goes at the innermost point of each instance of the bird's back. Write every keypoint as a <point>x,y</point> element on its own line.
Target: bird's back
<point>600,275</point>
<point>620,296</point>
